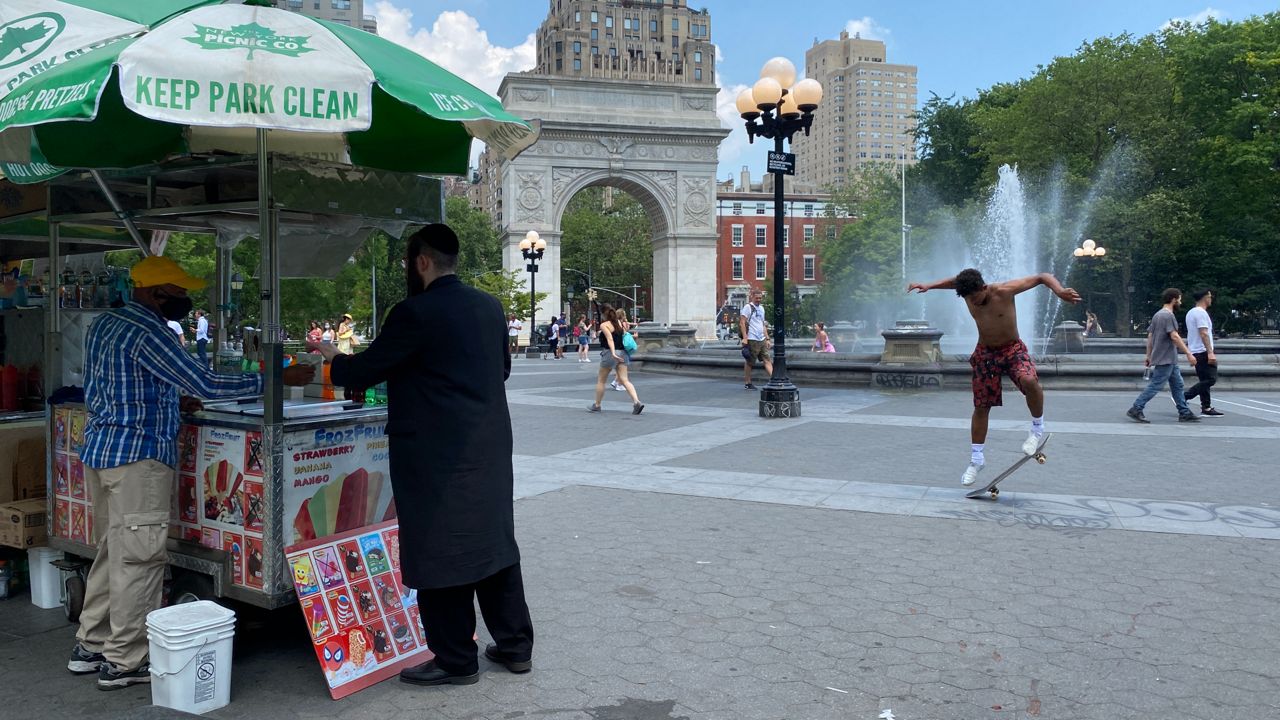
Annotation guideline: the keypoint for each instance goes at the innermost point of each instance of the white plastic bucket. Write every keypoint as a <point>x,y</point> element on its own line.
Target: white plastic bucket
<point>191,656</point>
<point>46,580</point>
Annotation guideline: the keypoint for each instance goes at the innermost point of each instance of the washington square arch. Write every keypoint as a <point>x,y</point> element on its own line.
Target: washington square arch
<point>641,130</point>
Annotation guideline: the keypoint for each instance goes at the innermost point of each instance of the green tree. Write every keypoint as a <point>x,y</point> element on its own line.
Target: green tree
<point>609,242</point>
<point>508,287</point>
<point>862,266</point>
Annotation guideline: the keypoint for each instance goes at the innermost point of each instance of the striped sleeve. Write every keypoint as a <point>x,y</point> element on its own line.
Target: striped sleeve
<point>171,363</point>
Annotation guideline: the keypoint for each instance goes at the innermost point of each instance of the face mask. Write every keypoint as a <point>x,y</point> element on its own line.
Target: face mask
<point>175,308</point>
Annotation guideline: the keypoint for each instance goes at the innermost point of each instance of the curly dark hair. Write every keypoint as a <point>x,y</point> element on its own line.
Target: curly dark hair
<point>968,282</point>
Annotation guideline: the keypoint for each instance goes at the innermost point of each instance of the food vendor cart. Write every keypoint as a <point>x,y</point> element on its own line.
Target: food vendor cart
<point>250,482</point>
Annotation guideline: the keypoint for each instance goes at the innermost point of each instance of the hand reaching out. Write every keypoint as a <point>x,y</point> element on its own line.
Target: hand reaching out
<point>1069,295</point>
<point>917,287</point>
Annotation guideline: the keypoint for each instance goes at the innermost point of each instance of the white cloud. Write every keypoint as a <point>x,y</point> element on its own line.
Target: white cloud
<point>1196,19</point>
<point>867,28</point>
<point>456,43</point>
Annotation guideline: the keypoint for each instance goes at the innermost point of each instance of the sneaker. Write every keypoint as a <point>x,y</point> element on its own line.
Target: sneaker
<point>84,662</point>
<point>112,677</point>
<point>593,408</point>
<point>1030,445</point>
<point>970,474</point>
<point>637,408</point>
<point>1189,417</point>
<point>617,387</point>
<point>1136,415</point>
<point>1210,412</point>
<point>749,386</point>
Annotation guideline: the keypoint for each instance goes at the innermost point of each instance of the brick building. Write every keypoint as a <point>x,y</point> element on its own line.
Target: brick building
<point>744,250</point>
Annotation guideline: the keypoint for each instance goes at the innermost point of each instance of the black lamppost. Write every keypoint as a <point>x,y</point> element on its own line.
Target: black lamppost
<point>532,247</point>
<point>777,107</point>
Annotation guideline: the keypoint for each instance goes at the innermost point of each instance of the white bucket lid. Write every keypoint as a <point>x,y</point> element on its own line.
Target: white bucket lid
<point>189,618</point>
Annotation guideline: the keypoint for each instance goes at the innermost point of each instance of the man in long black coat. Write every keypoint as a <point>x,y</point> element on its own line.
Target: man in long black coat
<point>443,354</point>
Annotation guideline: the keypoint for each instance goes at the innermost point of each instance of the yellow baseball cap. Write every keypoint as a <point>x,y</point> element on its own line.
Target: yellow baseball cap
<point>159,270</point>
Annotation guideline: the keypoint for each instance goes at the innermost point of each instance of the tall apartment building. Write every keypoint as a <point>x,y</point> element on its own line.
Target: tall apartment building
<point>656,40</point>
<point>866,111</point>
<point>346,12</point>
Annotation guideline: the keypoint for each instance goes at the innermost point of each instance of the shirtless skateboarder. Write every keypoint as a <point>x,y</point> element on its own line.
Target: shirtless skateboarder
<point>999,352</point>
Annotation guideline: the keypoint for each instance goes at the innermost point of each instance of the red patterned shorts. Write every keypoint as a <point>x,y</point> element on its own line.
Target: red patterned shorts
<point>990,364</point>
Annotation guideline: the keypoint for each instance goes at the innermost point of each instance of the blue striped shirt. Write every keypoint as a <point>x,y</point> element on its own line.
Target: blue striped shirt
<point>134,369</point>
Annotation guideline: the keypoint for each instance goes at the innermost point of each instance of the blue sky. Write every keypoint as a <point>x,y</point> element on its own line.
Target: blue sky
<point>960,46</point>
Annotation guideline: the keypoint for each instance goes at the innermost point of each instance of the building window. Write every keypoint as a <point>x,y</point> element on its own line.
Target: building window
<point>697,73</point>
<point>760,267</point>
<point>760,235</point>
<point>577,46</point>
<point>697,56</point>
<point>608,21</point>
<point>595,34</point>
<point>786,236</point>
<point>737,236</point>
<point>577,16</point>
<point>810,267</point>
<point>808,234</point>
<point>831,232</point>
<point>340,4</point>
<point>737,208</point>
<point>577,64</point>
<point>295,4</point>
<point>653,26</point>
<point>595,17</point>
<point>759,208</point>
<point>595,50</point>
<point>786,267</point>
<point>675,24</point>
<point>675,41</point>
<point>737,267</point>
<point>559,64</point>
<point>808,209</point>
<point>613,51</point>
<point>559,47</point>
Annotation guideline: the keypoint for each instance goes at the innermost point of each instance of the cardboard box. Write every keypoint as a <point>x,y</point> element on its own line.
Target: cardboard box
<point>29,464</point>
<point>13,435</point>
<point>22,524</point>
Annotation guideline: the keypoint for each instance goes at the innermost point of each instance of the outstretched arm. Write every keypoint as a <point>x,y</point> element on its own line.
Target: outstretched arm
<point>1048,280</point>
<point>944,284</point>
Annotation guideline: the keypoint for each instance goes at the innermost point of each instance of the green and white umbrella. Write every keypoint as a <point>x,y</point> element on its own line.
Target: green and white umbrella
<point>40,35</point>
<point>206,79</point>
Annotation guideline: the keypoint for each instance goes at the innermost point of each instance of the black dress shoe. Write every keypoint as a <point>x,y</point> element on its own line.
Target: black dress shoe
<point>515,666</point>
<point>429,674</point>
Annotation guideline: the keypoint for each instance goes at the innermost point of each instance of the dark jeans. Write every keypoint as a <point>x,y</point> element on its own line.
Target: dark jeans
<point>449,618</point>
<point>1207,374</point>
<point>201,347</point>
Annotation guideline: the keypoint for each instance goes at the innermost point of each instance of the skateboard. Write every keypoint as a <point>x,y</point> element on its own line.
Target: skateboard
<point>994,491</point>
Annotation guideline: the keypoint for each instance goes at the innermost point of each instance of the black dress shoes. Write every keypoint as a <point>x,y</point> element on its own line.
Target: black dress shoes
<point>429,674</point>
<point>516,666</point>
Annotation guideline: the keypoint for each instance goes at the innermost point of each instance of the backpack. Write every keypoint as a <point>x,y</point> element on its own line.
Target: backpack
<point>629,343</point>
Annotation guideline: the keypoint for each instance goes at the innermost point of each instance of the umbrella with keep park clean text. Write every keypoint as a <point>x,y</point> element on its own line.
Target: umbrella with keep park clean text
<point>40,35</point>
<point>206,79</point>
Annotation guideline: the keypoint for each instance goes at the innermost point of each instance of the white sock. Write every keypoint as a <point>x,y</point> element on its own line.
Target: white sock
<point>1037,426</point>
<point>976,456</point>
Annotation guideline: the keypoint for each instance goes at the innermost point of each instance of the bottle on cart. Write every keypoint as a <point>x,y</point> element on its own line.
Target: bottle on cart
<point>86,293</point>
<point>68,290</point>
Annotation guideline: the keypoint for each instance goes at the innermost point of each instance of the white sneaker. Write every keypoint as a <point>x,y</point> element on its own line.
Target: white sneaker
<point>617,387</point>
<point>1030,444</point>
<point>970,474</point>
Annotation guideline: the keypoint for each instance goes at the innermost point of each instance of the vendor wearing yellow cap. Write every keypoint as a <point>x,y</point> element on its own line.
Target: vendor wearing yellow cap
<point>134,372</point>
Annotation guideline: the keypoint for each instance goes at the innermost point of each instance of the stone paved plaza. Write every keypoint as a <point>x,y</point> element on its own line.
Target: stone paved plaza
<point>699,562</point>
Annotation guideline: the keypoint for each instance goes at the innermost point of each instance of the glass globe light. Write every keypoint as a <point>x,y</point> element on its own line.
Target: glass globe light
<point>1099,252</point>
<point>747,105</point>
<point>808,94</point>
<point>780,69</point>
<point>531,236</point>
<point>525,245</point>
<point>767,93</point>
<point>540,245</point>
<point>1089,245</point>
<point>1079,252</point>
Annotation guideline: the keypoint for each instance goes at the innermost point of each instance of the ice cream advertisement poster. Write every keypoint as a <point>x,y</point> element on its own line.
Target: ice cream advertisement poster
<point>336,480</point>
<point>364,625</point>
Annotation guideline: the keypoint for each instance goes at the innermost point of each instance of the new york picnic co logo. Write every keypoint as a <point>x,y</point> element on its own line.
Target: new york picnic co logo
<point>28,36</point>
<point>252,37</point>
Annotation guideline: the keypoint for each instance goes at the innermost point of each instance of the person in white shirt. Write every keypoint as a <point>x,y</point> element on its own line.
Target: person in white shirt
<point>176,327</point>
<point>1200,342</point>
<point>513,332</point>
<point>755,332</point>
<point>202,336</point>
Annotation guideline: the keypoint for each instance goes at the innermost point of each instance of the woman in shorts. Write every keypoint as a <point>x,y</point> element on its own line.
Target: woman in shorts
<point>614,357</point>
<point>583,332</point>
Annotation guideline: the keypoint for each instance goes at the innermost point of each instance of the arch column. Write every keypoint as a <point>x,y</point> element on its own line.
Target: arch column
<point>684,274</point>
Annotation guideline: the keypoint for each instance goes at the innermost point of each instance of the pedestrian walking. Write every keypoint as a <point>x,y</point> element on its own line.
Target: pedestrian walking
<point>514,326</point>
<point>754,332</point>
<point>313,332</point>
<point>564,336</point>
<point>1163,344</point>
<point>613,357</point>
<point>583,332</point>
<point>457,531</point>
<point>553,339</point>
<point>201,329</point>
<point>1000,352</point>
<point>327,334</point>
<point>134,373</point>
<point>1200,340</point>
<point>821,343</point>
<point>346,335</point>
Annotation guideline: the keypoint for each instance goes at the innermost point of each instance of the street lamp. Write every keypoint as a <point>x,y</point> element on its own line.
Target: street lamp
<point>1089,248</point>
<point>532,247</point>
<point>777,107</point>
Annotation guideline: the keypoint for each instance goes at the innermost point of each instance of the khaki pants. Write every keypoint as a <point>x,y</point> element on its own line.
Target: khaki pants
<point>131,518</point>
